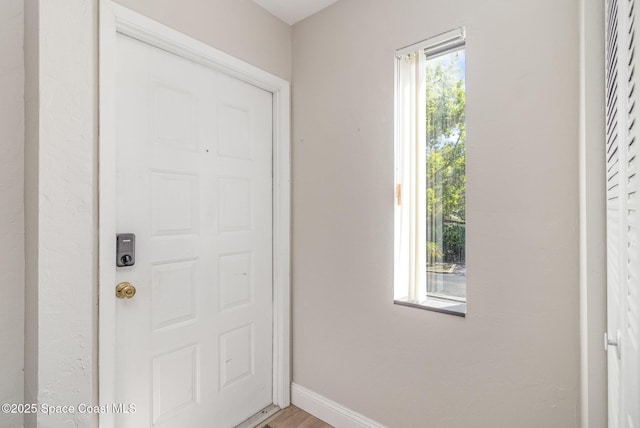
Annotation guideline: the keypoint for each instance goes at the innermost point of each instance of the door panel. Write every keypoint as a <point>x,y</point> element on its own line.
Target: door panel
<point>623,218</point>
<point>194,183</point>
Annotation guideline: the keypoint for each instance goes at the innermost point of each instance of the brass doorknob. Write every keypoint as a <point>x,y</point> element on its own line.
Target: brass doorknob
<point>125,290</point>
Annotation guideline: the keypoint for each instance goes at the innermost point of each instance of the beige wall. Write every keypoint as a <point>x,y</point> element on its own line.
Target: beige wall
<point>514,361</point>
<point>11,208</point>
<point>238,27</point>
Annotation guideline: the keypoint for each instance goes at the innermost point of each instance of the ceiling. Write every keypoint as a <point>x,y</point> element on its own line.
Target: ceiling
<point>292,11</point>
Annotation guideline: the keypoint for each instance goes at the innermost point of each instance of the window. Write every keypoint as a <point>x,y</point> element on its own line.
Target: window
<point>430,209</point>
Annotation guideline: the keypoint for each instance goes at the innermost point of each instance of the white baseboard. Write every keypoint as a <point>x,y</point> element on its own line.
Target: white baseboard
<point>329,411</point>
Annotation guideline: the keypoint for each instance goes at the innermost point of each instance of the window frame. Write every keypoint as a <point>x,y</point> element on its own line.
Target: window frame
<point>410,282</point>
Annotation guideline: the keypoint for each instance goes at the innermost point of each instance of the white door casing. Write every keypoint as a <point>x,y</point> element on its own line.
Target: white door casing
<point>622,339</point>
<point>174,178</point>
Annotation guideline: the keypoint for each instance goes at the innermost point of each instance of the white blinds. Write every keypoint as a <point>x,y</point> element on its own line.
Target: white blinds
<point>410,210</point>
<point>623,222</point>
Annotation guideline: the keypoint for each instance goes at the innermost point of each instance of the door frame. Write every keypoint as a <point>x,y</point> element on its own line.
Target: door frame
<point>592,196</point>
<point>118,19</point>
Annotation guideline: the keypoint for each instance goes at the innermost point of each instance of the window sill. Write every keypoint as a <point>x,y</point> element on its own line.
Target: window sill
<point>436,305</point>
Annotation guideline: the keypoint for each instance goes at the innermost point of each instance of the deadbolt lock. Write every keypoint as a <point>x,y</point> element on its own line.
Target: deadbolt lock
<point>125,290</point>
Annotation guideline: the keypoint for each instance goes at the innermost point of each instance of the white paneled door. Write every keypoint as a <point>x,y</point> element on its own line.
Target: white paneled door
<point>194,184</point>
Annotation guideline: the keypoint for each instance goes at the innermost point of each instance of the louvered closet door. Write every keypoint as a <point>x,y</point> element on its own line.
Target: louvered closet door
<point>623,281</point>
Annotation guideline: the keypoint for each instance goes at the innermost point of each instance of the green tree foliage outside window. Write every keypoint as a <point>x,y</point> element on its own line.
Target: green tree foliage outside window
<point>446,178</point>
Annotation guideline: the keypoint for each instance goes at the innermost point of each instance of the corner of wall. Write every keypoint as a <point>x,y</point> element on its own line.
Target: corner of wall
<point>12,208</point>
<point>31,175</point>
<point>59,202</point>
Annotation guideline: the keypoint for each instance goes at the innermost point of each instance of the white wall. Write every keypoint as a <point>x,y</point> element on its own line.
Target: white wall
<point>11,208</point>
<point>514,361</point>
<point>61,107</point>
<point>60,47</point>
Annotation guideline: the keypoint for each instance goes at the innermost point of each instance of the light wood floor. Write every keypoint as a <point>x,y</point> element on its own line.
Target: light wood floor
<point>293,417</point>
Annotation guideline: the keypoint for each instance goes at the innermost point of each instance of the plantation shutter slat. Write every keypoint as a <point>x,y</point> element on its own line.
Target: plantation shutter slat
<point>612,146</point>
<point>612,117</point>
